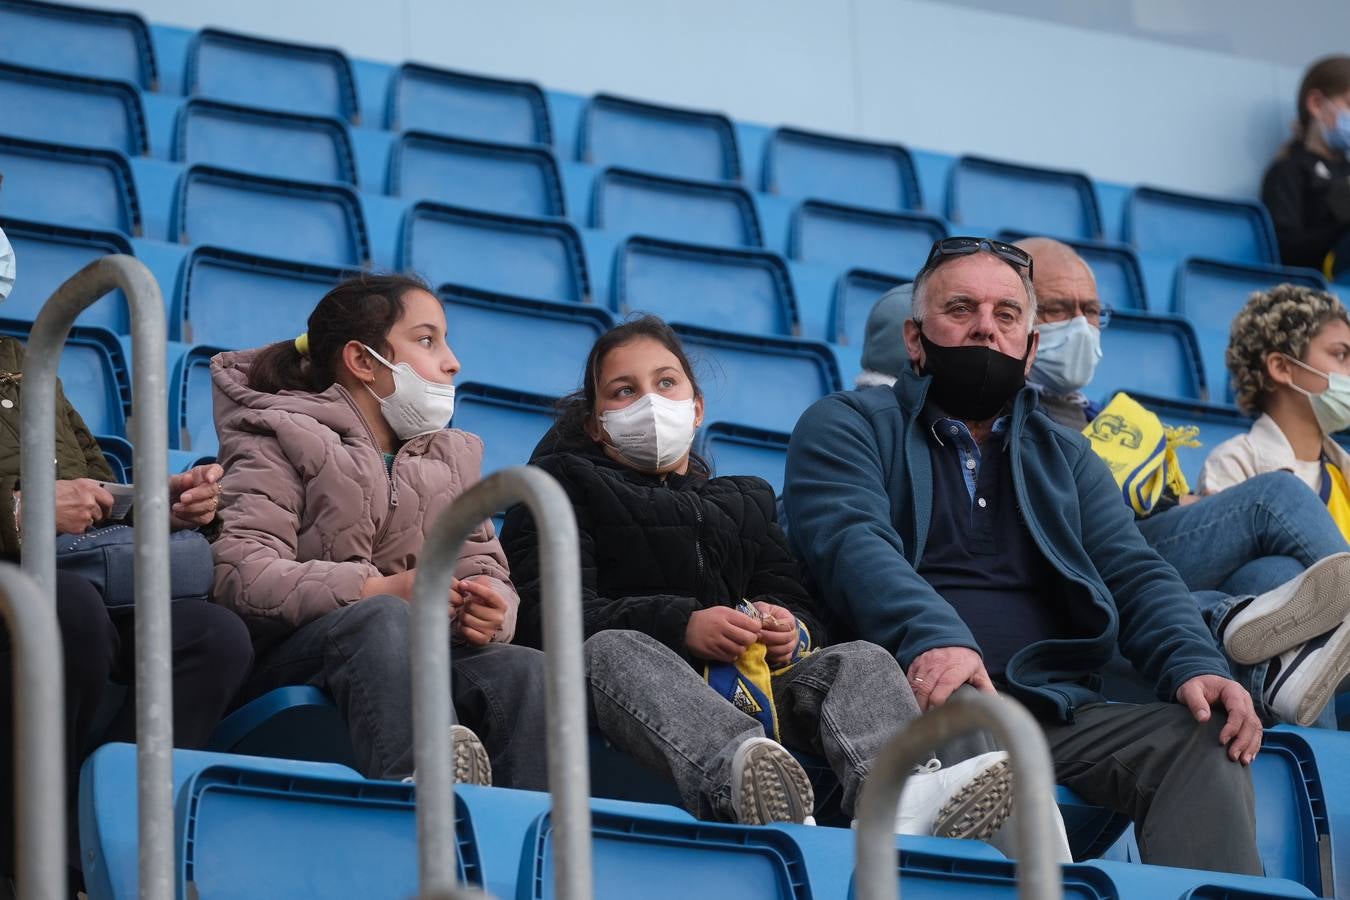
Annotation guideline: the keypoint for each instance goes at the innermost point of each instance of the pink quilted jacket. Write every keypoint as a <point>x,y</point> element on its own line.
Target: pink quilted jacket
<point>309,511</point>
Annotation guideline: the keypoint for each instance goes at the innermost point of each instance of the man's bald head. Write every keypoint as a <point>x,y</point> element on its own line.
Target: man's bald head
<point>1062,277</point>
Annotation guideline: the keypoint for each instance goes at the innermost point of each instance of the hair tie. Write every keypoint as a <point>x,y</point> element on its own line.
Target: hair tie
<point>302,344</point>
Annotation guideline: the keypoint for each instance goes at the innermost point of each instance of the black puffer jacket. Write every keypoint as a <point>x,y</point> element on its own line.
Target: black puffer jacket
<point>654,550</point>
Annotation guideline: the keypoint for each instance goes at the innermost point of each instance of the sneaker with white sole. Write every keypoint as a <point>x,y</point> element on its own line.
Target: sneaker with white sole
<point>470,759</point>
<point>970,799</point>
<point>1292,614</point>
<point>769,785</point>
<point>1301,682</point>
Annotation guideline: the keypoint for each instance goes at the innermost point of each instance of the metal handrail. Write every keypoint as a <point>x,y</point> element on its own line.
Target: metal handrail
<point>149,393</point>
<point>39,736</point>
<point>568,773</point>
<point>1038,874</point>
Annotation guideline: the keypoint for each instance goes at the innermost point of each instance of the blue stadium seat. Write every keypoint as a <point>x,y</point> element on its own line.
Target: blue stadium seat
<point>1116,268</point>
<point>842,170</point>
<point>319,223</point>
<point>1169,345</point>
<point>525,345</point>
<point>629,202</point>
<point>50,255</point>
<point>855,293</point>
<point>283,145</point>
<point>509,422</point>
<point>294,722</point>
<point>1175,225</point>
<point>78,39</point>
<point>422,98</point>
<point>504,178</point>
<point>231,299</point>
<point>760,382</point>
<point>537,258</point>
<point>254,71</point>
<point>76,186</point>
<point>990,194</point>
<point>1216,423</point>
<point>192,425</point>
<point>738,450</point>
<point>94,375</point>
<point>1210,294</point>
<point>118,453</point>
<point>708,286</point>
<point>71,109</point>
<point>672,141</point>
<point>835,235</point>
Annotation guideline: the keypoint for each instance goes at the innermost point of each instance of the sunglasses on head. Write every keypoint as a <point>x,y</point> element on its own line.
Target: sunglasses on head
<point>965,246</point>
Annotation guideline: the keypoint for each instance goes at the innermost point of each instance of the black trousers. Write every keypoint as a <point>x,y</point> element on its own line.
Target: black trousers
<point>212,654</point>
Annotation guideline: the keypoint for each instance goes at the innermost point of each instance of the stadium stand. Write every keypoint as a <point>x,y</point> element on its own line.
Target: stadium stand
<point>843,170</point>
<point>631,202</point>
<point>509,422</point>
<point>282,145</point>
<point>504,178</point>
<point>738,450</point>
<point>1175,225</point>
<point>1168,343</point>
<point>856,292</point>
<point>636,135</point>
<point>255,71</point>
<point>67,185</point>
<point>51,254</point>
<point>78,40</point>
<point>192,425</point>
<point>422,98</point>
<point>94,374</point>
<point>72,109</point>
<point>856,237</point>
<point>993,195</point>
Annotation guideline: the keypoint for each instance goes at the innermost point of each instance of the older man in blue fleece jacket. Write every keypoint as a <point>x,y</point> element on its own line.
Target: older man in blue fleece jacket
<point>951,522</point>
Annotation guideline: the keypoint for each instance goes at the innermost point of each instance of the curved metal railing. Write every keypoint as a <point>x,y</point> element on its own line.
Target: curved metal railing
<point>568,775</point>
<point>149,393</point>
<point>1038,874</point>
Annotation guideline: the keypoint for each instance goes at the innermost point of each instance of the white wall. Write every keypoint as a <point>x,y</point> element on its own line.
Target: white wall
<point>943,76</point>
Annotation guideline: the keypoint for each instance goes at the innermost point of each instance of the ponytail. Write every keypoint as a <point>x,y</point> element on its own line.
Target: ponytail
<point>280,367</point>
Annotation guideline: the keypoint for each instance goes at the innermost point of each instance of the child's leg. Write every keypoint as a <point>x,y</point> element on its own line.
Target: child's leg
<point>844,703</point>
<point>499,693</point>
<point>651,704</point>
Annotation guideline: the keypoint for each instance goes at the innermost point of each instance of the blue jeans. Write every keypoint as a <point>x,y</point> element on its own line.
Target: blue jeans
<point>1243,541</point>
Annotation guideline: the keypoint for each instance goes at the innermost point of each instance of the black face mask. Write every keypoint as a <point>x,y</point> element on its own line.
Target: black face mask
<point>972,383</point>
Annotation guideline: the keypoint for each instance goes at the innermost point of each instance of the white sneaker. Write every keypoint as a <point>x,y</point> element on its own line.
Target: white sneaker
<point>1294,613</point>
<point>470,759</point>
<point>1302,681</point>
<point>769,785</point>
<point>970,799</point>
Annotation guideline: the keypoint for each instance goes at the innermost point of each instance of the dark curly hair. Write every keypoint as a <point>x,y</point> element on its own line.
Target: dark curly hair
<point>1283,319</point>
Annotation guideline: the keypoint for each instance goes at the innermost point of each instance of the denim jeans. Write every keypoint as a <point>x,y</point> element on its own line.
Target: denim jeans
<point>1242,541</point>
<point>843,703</point>
<point>359,654</point>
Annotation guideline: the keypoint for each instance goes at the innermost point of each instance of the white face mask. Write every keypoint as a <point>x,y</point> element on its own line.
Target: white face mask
<point>1067,355</point>
<point>1331,407</point>
<point>7,266</point>
<point>416,406</point>
<point>652,433</point>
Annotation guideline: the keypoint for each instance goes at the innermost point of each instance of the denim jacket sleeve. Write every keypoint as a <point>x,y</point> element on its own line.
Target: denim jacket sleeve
<point>839,515</point>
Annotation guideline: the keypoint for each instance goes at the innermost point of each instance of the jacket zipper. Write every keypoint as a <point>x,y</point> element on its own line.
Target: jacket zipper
<point>392,495</point>
<point>698,542</point>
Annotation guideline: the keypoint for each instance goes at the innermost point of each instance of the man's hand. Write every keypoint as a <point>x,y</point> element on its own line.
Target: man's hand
<point>194,496</point>
<point>482,611</point>
<point>1242,732</point>
<point>720,633</point>
<point>936,673</point>
<point>79,504</point>
<point>778,631</point>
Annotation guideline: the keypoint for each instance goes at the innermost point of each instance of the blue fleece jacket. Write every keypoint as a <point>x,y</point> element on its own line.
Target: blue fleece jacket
<point>859,497</point>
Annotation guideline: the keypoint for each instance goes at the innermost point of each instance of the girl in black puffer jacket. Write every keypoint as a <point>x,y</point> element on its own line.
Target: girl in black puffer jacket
<point>703,648</point>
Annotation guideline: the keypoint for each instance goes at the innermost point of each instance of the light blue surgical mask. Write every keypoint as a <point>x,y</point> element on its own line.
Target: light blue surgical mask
<point>7,267</point>
<point>1338,135</point>
<point>1067,356</point>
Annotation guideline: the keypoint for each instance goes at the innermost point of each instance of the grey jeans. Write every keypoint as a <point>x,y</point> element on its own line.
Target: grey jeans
<point>842,703</point>
<point>359,654</point>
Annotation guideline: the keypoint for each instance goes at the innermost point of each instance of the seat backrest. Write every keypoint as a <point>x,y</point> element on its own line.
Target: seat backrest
<point>77,39</point>
<point>192,422</point>
<point>283,145</point>
<point>1167,343</point>
<point>738,450</point>
<point>231,299</point>
<point>1175,225</point>
<point>94,375</point>
<point>71,109</point>
<point>548,342</point>
<point>422,98</point>
<point>834,235</point>
<point>51,254</point>
<point>855,293</point>
<point>541,259</point>
<point>319,223</point>
<point>665,139</point>
<point>991,194</point>
<point>1216,423</point>
<point>629,202</point>
<point>1210,294</point>
<point>505,178</point>
<point>253,71</point>
<point>842,170</point>
<point>707,286</point>
<point>75,186</point>
<point>509,422</point>
<point>761,382</point>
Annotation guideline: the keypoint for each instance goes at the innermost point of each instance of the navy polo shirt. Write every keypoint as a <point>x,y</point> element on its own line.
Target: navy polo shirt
<point>980,557</point>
